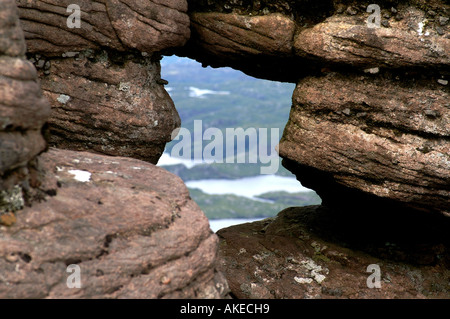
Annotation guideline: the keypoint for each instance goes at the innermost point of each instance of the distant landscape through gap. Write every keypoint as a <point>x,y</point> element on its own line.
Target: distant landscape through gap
<point>229,186</point>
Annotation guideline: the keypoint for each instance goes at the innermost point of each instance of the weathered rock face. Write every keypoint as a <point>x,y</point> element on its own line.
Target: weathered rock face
<point>130,226</point>
<point>314,252</point>
<point>373,134</point>
<point>23,112</point>
<point>407,40</point>
<point>114,107</point>
<point>286,40</point>
<point>103,78</point>
<point>368,130</point>
<point>370,118</point>
<point>390,124</point>
<point>147,26</point>
<point>256,37</point>
<point>258,45</point>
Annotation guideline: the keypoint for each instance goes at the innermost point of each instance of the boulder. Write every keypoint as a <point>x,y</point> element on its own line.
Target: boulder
<point>129,227</point>
<point>350,135</point>
<point>109,104</point>
<point>102,77</point>
<point>234,36</point>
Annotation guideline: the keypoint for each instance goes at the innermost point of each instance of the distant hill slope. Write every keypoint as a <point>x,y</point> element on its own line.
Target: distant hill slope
<point>224,98</point>
<point>249,102</point>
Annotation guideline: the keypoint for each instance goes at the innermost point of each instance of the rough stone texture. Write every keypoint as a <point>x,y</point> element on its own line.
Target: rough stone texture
<point>23,112</point>
<point>232,35</point>
<point>148,26</point>
<point>11,35</point>
<point>130,226</point>
<point>105,95</point>
<point>347,39</point>
<point>244,42</point>
<point>308,36</point>
<point>376,134</point>
<point>110,104</point>
<point>311,252</point>
<point>374,145</point>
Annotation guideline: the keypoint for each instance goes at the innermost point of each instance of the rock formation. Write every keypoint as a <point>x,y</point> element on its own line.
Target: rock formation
<point>314,252</point>
<point>103,78</point>
<point>370,116</point>
<point>368,130</point>
<point>129,226</point>
<point>107,107</point>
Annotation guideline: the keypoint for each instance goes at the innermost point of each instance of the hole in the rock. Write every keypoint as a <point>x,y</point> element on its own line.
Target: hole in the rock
<point>25,257</point>
<point>224,151</point>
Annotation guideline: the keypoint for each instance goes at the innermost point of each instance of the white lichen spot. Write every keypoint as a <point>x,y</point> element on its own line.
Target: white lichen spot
<point>76,161</point>
<point>302,280</point>
<point>318,277</point>
<point>124,86</point>
<point>248,23</point>
<point>63,99</point>
<point>135,167</point>
<point>69,54</point>
<point>242,251</point>
<point>420,30</point>
<point>261,257</point>
<point>372,70</point>
<point>315,270</point>
<point>81,176</point>
<point>155,123</point>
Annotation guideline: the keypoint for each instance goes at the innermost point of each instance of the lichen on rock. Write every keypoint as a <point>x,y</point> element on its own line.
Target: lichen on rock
<point>11,200</point>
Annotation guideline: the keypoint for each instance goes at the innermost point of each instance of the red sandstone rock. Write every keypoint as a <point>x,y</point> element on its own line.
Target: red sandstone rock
<point>371,134</point>
<point>312,252</point>
<point>130,226</point>
<point>147,26</point>
<point>409,42</point>
<point>108,106</point>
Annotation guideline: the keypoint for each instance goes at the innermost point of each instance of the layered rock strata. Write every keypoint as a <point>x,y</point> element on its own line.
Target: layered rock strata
<point>129,227</point>
<point>368,130</point>
<point>85,225</point>
<point>370,117</point>
<point>114,107</point>
<point>350,135</point>
<point>102,77</point>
